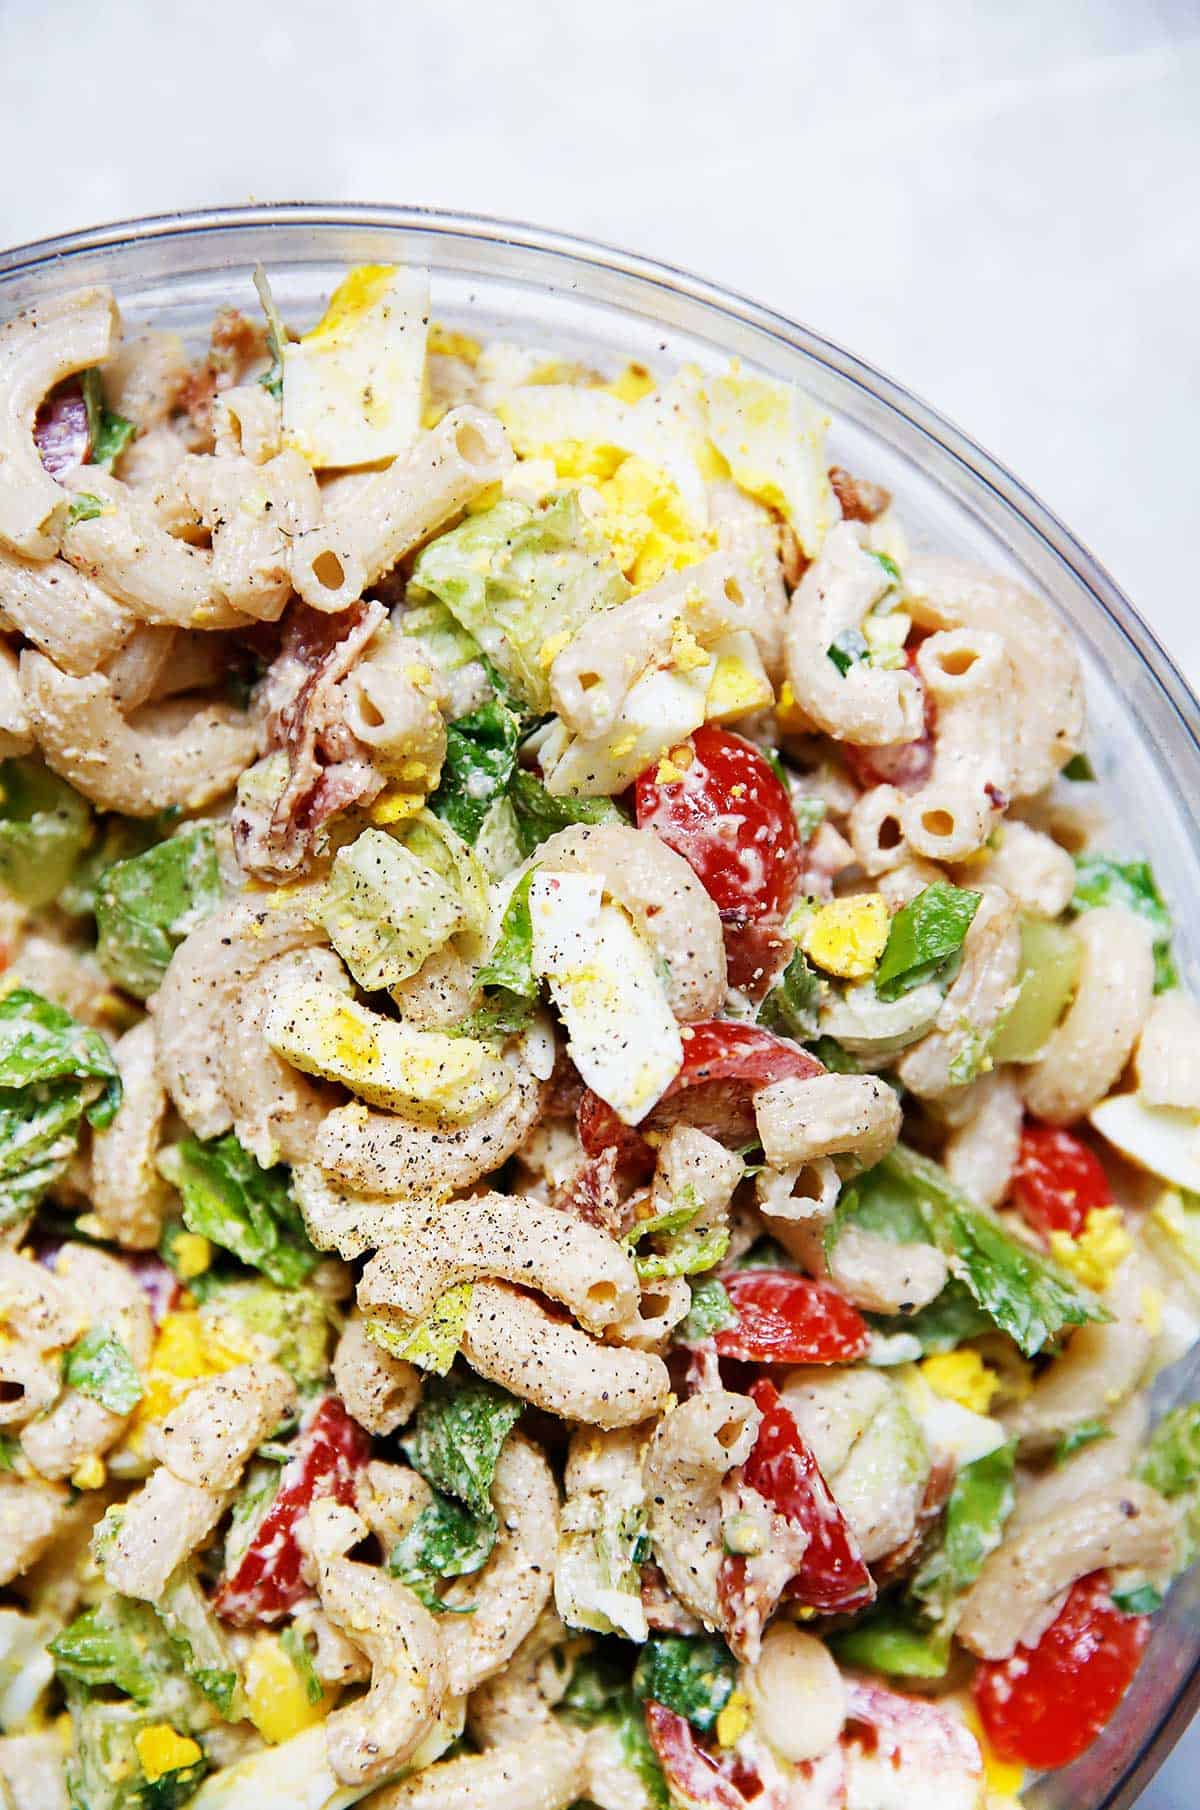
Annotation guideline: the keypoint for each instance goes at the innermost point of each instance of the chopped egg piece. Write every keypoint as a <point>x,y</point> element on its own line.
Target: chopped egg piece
<point>317,1029</point>
<point>734,1720</point>
<point>1098,1252</point>
<point>161,1750</point>
<point>89,1473</point>
<point>275,1695</point>
<point>961,1376</point>
<point>948,1426</point>
<point>847,936</point>
<point>624,1039</point>
<point>1163,1139</point>
<point>352,387</point>
<point>773,437</point>
<point>192,1255</point>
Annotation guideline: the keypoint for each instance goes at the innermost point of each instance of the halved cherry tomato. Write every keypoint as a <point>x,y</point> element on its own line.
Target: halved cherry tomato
<point>731,819</point>
<point>1046,1706</point>
<point>697,1781</point>
<point>905,765</point>
<point>1057,1180</point>
<point>724,1065</point>
<point>833,1575</point>
<point>331,1449</point>
<point>783,1318</point>
<point>61,431</point>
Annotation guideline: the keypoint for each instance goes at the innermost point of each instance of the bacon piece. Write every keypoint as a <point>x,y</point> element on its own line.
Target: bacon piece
<point>61,431</point>
<point>234,344</point>
<point>860,501</point>
<point>664,1612</point>
<point>329,769</point>
<point>592,1193</point>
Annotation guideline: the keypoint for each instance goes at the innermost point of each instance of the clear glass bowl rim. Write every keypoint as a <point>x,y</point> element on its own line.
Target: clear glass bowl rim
<point>980,468</point>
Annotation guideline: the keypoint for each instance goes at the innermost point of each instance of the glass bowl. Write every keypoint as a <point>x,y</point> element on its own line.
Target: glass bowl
<point>607,306</point>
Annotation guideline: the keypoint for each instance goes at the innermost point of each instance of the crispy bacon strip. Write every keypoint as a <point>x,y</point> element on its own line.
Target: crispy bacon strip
<point>860,501</point>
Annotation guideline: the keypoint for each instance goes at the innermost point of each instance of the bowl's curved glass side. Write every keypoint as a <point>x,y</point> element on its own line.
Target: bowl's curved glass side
<point>605,307</point>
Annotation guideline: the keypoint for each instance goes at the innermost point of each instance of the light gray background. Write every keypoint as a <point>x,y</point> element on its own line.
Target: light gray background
<point>993,200</point>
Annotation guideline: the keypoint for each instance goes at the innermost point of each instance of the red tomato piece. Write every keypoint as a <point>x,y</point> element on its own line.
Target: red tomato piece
<point>696,1779</point>
<point>1057,1180</point>
<point>783,1318</point>
<point>331,1450</point>
<point>905,765</point>
<point>833,1575</point>
<point>1046,1706</point>
<point>60,429</point>
<point>731,819</point>
<point>729,1061</point>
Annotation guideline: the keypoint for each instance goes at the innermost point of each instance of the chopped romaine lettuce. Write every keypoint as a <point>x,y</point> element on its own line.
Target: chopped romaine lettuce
<point>432,1342</point>
<point>441,635</point>
<point>146,906</point>
<point>792,1007</point>
<point>246,1210</point>
<point>99,1366</point>
<point>109,432</point>
<point>83,507</point>
<point>925,937</point>
<point>847,649</point>
<point>510,985</point>
<point>49,1065</point>
<point>1171,1461</point>
<point>296,1647</point>
<point>539,815</point>
<point>201,1642</point>
<point>680,1247</point>
<point>522,580</point>
<point>10,1451</point>
<point>44,828</point>
<point>459,1432</point>
<point>105,1770</point>
<point>942,1326</point>
<point>40,1042</point>
<point>1102,880</point>
<point>1050,958</point>
<point>297,1320</point>
<point>447,1540</point>
<point>893,1640</point>
<point>119,839</point>
<point>1079,768</point>
<point>1085,1434</point>
<point>386,911</point>
<point>1028,1295</point>
<point>711,1311</point>
<point>693,1677</point>
<point>980,1503</point>
<point>599,1694</point>
<point>481,753</point>
<point>117,1643</point>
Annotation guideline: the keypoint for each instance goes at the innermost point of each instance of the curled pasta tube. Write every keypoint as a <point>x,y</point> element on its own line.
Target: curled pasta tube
<point>63,613</point>
<point>380,1391</point>
<point>277,1112</point>
<point>37,350</point>
<point>174,753</point>
<point>545,1772</point>
<point>125,548</point>
<point>253,513</point>
<point>876,830</point>
<point>951,1054</point>
<point>866,704</point>
<point>826,1115</point>
<point>1018,1593</point>
<point>201,989</point>
<point>16,734</point>
<point>1085,1055</point>
<point>513,1588</point>
<point>685,1464</point>
<point>749,534</point>
<point>41,1315</point>
<point>372,1737</point>
<point>1097,1465</point>
<point>1044,675</point>
<point>135,672</point>
<point>691,1166</point>
<point>338,1219</point>
<point>77,1426</point>
<point>382,1154</point>
<point>32,1514</point>
<point>129,1196</point>
<point>1167,1063</point>
<point>207,1437</point>
<point>503,1237</point>
<point>1036,872</point>
<point>388,515</point>
<point>981,1153</point>
<point>663,897</point>
<point>969,676</point>
<point>512,1339</point>
<point>390,702</point>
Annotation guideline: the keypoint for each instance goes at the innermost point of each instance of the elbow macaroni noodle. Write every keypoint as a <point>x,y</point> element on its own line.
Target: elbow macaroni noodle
<point>648,1321</point>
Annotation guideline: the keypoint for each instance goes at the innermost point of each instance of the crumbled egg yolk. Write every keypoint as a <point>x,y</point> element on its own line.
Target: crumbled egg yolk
<point>687,655</point>
<point>89,1473</point>
<point>275,1695</point>
<point>448,343</point>
<point>1099,1251</point>
<point>962,1377</point>
<point>189,1345</point>
<point>394,805</point>
<point>644,518</point>
<point>735,690</point>
<point>551,647</point>
<point>847,936</point>
<point>733,1720</point>
<point>191,1254</point>
<point>673,765</point>
<point>365,285</point>
<point>1004,1778</point>
<point>632,384</point>
<point>161,1750</point>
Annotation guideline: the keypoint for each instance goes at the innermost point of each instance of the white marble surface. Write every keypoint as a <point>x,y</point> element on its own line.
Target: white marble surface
<point>994,200</point>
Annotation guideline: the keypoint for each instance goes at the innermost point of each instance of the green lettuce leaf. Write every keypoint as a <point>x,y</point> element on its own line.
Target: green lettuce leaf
<point>511,987</point>
<point>146,906</point>
<point>539,815</point>
<point>298,1320</point>
<point>104,1772</point>
<point>458,1435</point>
<point>447,1540</point>
<point>599,1693</point>
<point>1025,1293</point>
<point>847,649</point>
<point>1102,880</point>
<point>1088,1432</point>
<point>41,1042</point>
<point>110,432</point>
<point>246,1210</point>
<point>515,576</point>
<point>695,1677</point>
<point>978,1507</point>
<point>893,1640</point>
<point>1171,1460</point>
<point>481,754</point>
<point>49,1065</point>
<point>925,937</point>
<point>200,1642</point>
<point>1079,768</point>
<point>295,1646</point>
<point>680,1247</point>
<point>99,1366</point>
<point>117,1643</point>
<point>83,507</point>
<point>954,1316</point>
<point>711,1311</point>
<point>44,828</point>
<point>792,1007</point>
<point>386,910</point>
<point>432,1342</point>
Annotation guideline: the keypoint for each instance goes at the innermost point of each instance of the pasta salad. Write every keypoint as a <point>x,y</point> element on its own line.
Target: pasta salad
<point>598,1150</point>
